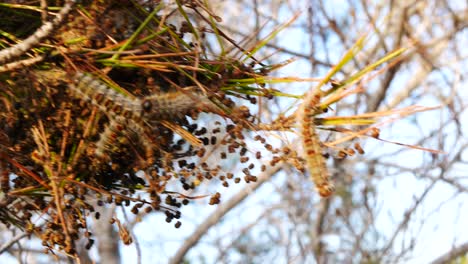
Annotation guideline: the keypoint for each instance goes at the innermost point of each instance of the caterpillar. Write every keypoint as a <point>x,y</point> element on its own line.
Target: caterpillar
<point>131,117</point>
<point>173,105</point>
<point>87,88</point>
<point>311,143</point>
<point>120,128</point>
<point>150,108</point>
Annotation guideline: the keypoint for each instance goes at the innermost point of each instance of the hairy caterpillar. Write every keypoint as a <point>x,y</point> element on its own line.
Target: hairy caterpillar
<point>130,118</point>
<point>149,108</point>
<point>118,129</point>
<point>174,104</point>
<point>87,88</point>
<point>311,144</point>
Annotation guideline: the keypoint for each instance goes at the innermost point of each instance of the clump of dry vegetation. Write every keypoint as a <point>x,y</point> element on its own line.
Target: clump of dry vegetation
<point>112,108</point>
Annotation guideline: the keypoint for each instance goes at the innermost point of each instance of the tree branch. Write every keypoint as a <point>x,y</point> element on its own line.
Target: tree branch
<point>10,243</point>
<point>41,33</point>
<point>453,254</point>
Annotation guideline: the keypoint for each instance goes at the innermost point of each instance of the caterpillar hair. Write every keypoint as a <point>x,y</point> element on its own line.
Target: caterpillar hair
<point>88,88</point>
<point>120,128</point>
<point>150,108</point>
<point>173,105</point>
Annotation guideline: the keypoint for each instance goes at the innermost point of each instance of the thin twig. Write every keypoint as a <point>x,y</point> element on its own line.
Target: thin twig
<point>10,243</point>
<point>452,255</point>
<point>41,33</point>
<point>22,63</point>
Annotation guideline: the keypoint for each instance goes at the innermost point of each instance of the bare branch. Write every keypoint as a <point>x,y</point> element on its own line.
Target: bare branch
<point>20,64</point>
<point>452,255</point>
<point>10,243</point>
<point>41,33</point>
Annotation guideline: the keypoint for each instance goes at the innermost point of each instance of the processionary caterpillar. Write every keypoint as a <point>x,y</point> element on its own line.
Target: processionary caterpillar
<point>311,143</point>
<point>119,128</point>
<point>150,108</point>
<point>130,116</point>
<point>88,88</point>
<point>174,104</point>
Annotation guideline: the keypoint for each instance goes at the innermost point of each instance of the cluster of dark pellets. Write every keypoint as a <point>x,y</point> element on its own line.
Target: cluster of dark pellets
<point>351,151</point>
